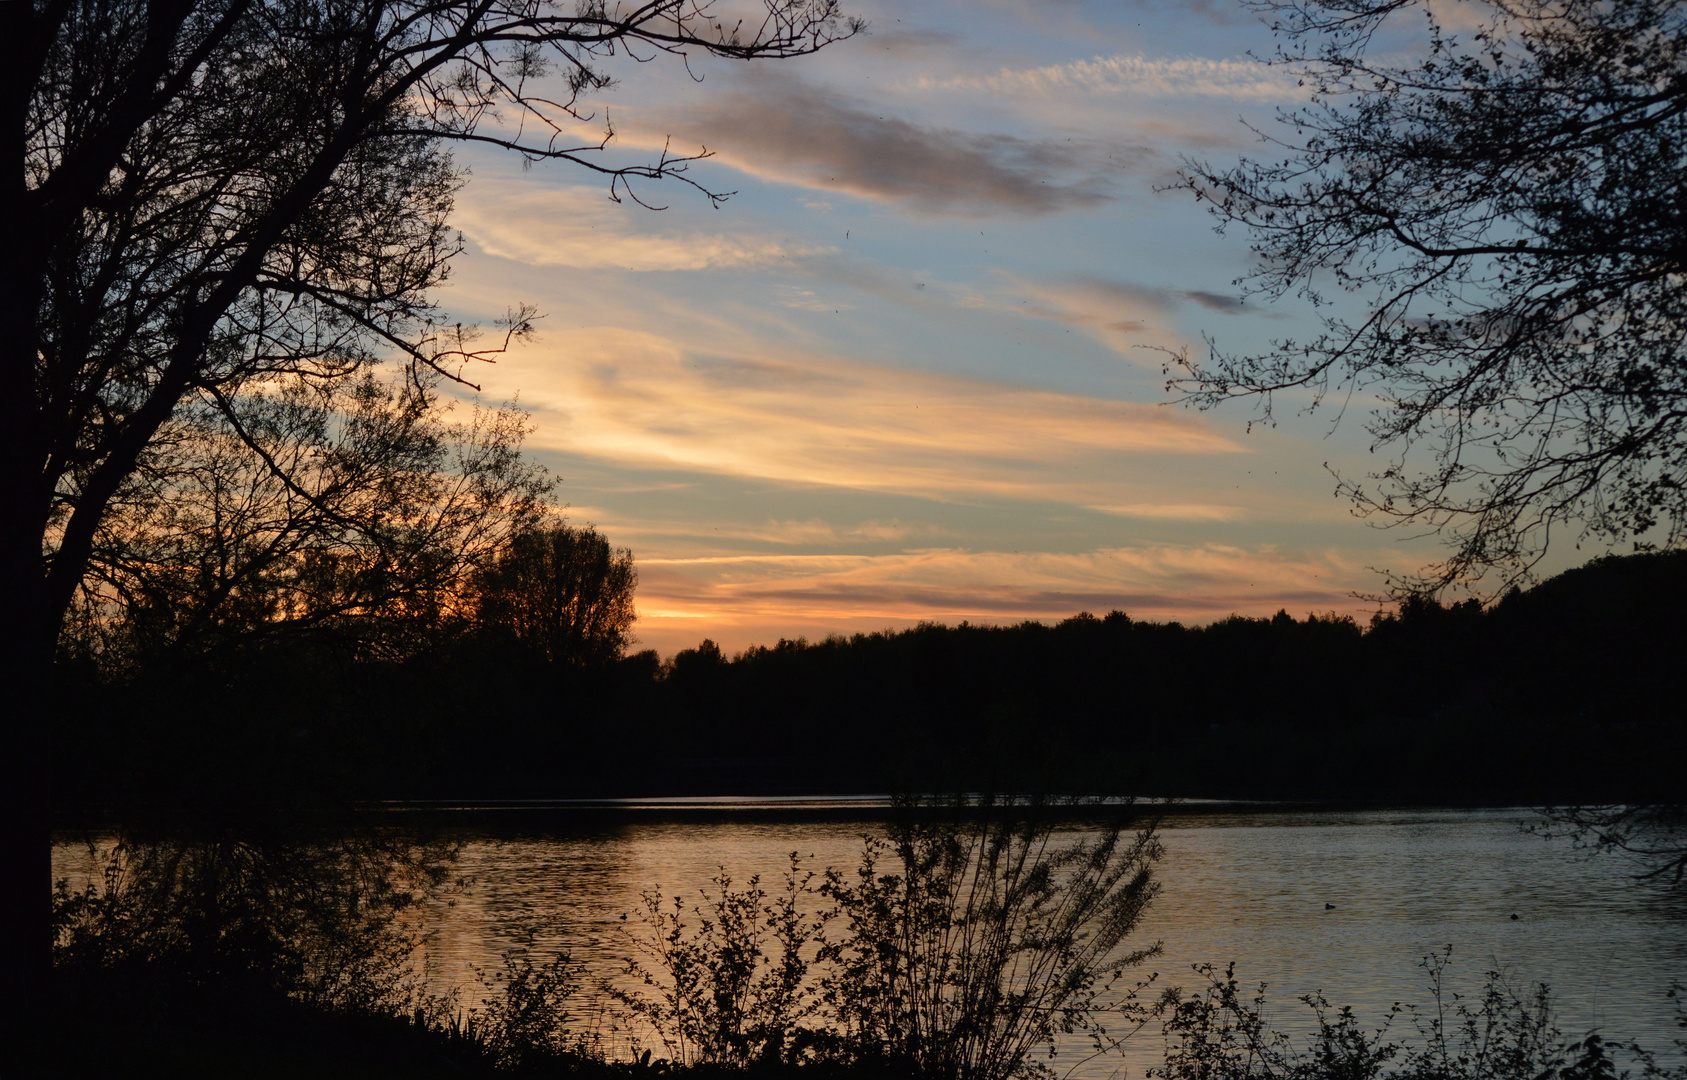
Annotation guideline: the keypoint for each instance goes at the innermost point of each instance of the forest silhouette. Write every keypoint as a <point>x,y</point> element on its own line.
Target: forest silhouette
<point>1563,693</point>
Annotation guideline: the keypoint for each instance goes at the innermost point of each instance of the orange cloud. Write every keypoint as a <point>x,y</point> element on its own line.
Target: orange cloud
<point>745,599</point>
<point>579,227</point>
<point>641,399</point>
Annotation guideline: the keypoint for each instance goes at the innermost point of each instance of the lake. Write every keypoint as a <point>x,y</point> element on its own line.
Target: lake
<point>1253,888</point>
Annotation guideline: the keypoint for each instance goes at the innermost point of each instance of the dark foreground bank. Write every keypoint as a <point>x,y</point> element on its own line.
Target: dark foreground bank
<point>1217,1034</point>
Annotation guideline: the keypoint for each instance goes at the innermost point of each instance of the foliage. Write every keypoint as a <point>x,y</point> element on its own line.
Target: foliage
<point>214,200</point>
<point>734,989</point>
<point>1558,694</point>
<point>1219,1033</point>
<point>350,508</point>
<point>527,1017</point>
<point>1506,212</point>
<point>985,936</point>
<point>325,921</point>
<point>562,593</point>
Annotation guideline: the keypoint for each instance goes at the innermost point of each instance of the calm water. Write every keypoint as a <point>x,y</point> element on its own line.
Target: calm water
<point>1250,888</point>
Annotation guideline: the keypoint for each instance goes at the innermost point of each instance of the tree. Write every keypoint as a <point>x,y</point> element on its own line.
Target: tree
<point>1509,217</point>
<point>207,197</point>
<point>349,507</point>
<point>562,593</point>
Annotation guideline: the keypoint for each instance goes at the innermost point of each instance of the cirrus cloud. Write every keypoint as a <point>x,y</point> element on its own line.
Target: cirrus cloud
<point>644,400</point>
<point>578,227</point>
<point>782,129</point>
<point>1241,78</point>
<point>742,599</point>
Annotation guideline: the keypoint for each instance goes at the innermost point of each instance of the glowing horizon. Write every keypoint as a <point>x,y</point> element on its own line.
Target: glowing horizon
<point>913,369</point>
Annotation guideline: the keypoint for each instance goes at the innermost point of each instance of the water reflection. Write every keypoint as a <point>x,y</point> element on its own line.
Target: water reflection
<point>1346,903</point>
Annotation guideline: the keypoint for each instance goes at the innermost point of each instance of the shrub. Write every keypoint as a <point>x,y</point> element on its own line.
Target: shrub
<point>734,988</point>
<point>972,938</point>
<point>527,1017</point>
<point>322,921</point>
<point>1218,1034</point>
<point>1221,1034</point>
<point>963,942</point>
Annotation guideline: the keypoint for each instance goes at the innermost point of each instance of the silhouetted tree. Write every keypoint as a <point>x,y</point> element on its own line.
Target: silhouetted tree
<point>350,506</point>
<point>706,657</point>
<point>1509,216</point>
<point>563,593</point>
<point>205,195</point>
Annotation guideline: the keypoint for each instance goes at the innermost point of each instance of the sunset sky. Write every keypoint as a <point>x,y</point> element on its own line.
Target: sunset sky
<point>910,370</point>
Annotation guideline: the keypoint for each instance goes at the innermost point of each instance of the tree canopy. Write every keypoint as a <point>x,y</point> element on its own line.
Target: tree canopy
<point>353,508</point>
<point>561,592</point>
<point>210,195</point>
<point>213,200</point>
<point>1507,218</point>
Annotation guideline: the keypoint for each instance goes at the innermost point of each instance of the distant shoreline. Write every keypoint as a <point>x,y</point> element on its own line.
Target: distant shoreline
<point>584,812</point>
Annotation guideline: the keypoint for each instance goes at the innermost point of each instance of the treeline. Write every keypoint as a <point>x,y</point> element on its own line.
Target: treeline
<point>1566,692</point>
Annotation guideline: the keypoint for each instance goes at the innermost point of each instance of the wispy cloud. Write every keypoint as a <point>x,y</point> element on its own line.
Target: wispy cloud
<point>1176,511</point>
<point>813,532</point>
<point>1220,302</point>
<point>640,399</point>
<point>738,599</point>
<point>783,129</point>
<point>1137,76</point>
<point>579,227</point>
<point>1122,315</point>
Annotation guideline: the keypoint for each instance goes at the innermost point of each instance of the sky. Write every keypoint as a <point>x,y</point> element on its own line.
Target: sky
<point>912,369</point>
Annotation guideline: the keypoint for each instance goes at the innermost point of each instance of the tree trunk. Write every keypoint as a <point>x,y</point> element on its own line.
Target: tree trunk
<point>30,637</point>
<point>26,665</point>
<point>25,840</point>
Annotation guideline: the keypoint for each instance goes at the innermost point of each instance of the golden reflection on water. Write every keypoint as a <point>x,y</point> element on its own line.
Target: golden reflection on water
<point>1254,888</point>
